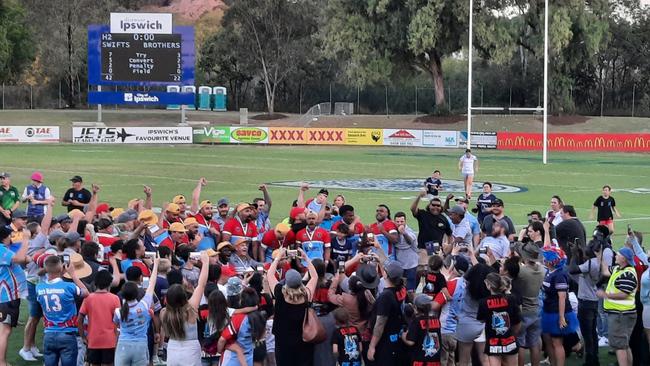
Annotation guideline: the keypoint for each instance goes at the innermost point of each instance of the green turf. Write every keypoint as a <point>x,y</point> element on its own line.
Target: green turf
<point>236,171</point>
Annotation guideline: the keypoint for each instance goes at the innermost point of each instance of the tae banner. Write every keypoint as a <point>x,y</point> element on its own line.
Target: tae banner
<point>29,134</point>
<point>604,142</point>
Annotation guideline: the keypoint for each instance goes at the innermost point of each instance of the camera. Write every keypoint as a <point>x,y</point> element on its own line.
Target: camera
<point>482,250</point>
<point>370,236</point>
<point>368,259</point>
<point>65,259</point>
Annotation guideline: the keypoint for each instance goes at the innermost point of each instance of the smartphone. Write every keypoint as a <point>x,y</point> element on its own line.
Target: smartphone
<point>482,250</point>
<point>65,258</point>
<point>145,282</point>
<point>370,236</point>
<point>292,253</point>
<point>260,269</point>
<point>341,267</point>
<point>195,256</point>
<point>629,229</point>
<point>150,255</point>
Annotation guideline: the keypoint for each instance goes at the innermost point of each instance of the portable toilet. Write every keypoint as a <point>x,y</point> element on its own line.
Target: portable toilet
<point>205,96</point>
<point>219,93</point>
<point>189,89</point>
<point>173,89</point>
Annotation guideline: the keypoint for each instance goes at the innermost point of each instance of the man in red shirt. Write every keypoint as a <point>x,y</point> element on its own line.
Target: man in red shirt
<point>171,215</point>
<point>385,230</point>
<point>105,237</point>
<point>348,217</point>
<point>275,239</point>
<point>176,233</point>
<point>242,226</point>
<point>315,241</point>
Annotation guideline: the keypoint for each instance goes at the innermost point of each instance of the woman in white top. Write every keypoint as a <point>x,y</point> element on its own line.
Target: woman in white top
<point>468,165</point>
<point>554,214</point>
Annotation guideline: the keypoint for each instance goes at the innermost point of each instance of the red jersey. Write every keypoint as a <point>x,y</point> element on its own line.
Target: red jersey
<point>358,228</point>
<point>205,222</point>
<point>106,240</point>
<point>238,230</point>
<point>169,243</point>
<point>314,242</point>
<point>166,223</point>
<point>270,241</point>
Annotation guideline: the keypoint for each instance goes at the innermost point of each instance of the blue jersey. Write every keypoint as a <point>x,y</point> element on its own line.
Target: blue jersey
<point>343,250</point>
<point>134,329</point>
<point>327,223</point>
<point>57,299</point>
<point>9,286</point>
<point>208,240</point>
<point>313,242</point>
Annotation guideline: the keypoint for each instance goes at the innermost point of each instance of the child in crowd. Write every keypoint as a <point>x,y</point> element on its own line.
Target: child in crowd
<point>423,334</point>
<point>346,340</point>
<point>434,281</point>
<point>501,316</point>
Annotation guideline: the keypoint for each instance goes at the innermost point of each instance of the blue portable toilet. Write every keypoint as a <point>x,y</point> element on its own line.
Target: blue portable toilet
<point>173,89</point>
<point>205,96</point>
<point>190,89</point>
<point>219,93</point>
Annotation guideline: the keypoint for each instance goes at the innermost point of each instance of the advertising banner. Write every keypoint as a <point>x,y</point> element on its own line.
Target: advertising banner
<point>132,135</point>
<point>402,137</point>
<point>363,136</point>
<point>36,134</point>
<point>432,138</point>
<point>287,135</point>
<point>156,23</point>
<point>325,136</point>
<point>480,139</point>
<point>614,142</point>
<point>249,135</point>
<point>161,98</point>
<point>211,135</point>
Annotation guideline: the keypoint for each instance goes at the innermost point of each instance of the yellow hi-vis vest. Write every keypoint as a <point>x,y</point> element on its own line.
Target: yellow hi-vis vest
<point>626,304</point>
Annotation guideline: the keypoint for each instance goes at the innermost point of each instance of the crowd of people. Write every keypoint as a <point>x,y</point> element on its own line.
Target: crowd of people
<point>198,283</point>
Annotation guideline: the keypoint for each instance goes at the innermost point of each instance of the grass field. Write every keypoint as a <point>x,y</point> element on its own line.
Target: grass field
<point>236,171</point>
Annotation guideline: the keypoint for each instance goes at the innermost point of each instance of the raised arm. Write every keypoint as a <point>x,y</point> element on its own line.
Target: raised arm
<point>154,276</point>
<point>416,202</point>
<point>203,279</point>
<point>267,197</point>
<point>77,281</point>
<point>270,274</point>
<point>148,202</point>
<point>313,275</point>
<point>47,219</point>
<point>196,194</point>
<point>301,195</point>
<point>92,205</point>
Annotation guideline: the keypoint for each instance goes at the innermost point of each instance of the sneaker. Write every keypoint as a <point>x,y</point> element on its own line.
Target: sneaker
<point>34,350</point>
<point>603,342</point>
<point>545,362</point>
<point>158,361</point>
<point>26,355</point>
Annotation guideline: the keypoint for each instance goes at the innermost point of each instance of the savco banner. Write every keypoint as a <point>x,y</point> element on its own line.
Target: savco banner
<point>249,135</point>
<point>38,134</point>
<point>614,142</point>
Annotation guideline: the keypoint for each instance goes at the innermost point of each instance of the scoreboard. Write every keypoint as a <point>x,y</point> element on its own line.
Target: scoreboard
<point>141,57</point>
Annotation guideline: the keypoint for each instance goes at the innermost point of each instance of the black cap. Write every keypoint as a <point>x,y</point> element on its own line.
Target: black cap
<point>324,191</point>
<point>76,179</point>
<point>5,231</point>
<point>498,202</point>
<point>19,214</point>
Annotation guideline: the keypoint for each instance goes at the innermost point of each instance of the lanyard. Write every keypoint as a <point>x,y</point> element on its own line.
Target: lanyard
<point>310,235</point>
<point>244,227</point>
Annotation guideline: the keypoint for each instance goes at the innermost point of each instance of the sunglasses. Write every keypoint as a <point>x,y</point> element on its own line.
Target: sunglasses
<point>435,205</point>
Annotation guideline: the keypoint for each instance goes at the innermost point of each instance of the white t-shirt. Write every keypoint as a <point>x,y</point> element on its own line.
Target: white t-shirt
<point>467,164</point>
<point>463,230</point>
<point>500,246</point>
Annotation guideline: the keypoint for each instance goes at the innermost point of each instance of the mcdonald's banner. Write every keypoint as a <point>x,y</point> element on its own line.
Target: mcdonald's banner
<point>611,142</point>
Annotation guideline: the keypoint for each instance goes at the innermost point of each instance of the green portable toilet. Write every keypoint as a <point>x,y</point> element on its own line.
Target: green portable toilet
<point>205,96</point>
<point>219,93</point>
<point>173,89</point>
<point>190,89</point>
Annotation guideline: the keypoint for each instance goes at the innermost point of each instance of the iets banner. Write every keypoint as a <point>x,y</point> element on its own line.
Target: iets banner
<point>614,142</point>
<point>132,135</point>
<point>29,134</point>
<point>162,98</point>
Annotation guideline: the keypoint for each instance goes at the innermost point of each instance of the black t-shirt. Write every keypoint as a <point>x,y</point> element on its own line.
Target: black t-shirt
<point>348,341</point>
<point>605,207</point>
<point>488,221</point>
<point>499,313</point>
<point>389,304</point>
<point>425,332</point>
<point>567,231</point>
<point>83,195</point>
<point>482,203</point>
<point>432,228</point>
<point>434,283</point>
<point>432,185</point>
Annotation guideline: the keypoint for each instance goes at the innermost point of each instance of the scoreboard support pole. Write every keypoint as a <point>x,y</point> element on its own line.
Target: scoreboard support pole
<point>183,122</point>
<point>99,106</point>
